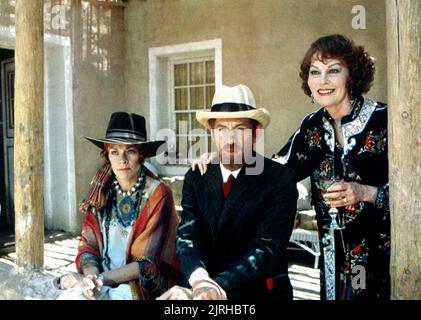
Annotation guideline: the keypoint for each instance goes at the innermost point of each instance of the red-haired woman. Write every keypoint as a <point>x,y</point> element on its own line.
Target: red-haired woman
<point>345,140</point>
<point>127,246</point>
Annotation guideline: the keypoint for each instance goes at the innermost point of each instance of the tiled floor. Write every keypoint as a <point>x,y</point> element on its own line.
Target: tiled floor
<point>305,279</point>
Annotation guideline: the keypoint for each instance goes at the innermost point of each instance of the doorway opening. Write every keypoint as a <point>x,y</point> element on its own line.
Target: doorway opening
<point>7,77</point>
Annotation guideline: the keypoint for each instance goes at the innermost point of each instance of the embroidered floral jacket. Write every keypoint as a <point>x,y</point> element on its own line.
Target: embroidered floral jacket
<point>312,151</point>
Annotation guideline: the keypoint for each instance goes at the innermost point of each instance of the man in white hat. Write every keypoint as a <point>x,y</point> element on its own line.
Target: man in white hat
<point>236,224</point>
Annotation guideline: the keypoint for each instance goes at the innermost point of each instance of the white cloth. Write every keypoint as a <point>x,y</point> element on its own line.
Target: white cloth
<point>122,292</point>
<point>226,173</point>
<point>116,246</point>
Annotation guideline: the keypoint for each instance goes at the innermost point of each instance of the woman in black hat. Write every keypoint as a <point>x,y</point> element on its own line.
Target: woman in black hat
<point>127,242</point>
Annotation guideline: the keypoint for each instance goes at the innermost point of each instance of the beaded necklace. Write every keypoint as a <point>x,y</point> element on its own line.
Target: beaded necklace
<point>125,211</point>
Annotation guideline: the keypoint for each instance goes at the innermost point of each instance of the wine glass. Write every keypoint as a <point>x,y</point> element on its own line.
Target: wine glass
<point>324,184</point>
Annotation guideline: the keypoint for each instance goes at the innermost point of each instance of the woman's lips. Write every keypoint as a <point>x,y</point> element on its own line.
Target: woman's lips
<point>325,92</point>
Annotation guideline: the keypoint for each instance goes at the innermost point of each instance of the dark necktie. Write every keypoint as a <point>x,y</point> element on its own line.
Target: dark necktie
<point>227,186</point>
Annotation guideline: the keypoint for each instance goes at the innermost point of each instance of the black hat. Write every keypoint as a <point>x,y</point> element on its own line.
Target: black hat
<point>128,128</point>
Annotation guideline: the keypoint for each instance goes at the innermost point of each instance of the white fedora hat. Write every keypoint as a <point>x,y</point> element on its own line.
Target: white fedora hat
<point>233,102</point>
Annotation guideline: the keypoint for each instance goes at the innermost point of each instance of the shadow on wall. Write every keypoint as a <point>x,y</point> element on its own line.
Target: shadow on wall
<point>90,24</point>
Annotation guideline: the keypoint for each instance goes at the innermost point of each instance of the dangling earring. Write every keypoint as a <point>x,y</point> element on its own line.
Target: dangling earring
<point>312,99</point>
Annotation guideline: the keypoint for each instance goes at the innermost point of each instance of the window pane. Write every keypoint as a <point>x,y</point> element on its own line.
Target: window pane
<point>210,145</point>
<point>197,98</point>
<point>182,123</point>
<point>197,73</point>
<point>180,74</point>
<point>197,146</point>
<point>193,89</point>
<point>182,148</point>
<point>194,123</point>
<point>180,101</point>
<point>210,91</point>
<point>210,72</point>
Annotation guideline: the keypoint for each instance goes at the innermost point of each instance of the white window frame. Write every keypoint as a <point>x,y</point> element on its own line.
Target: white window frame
<point>171,110</point>
<point>160,76</point>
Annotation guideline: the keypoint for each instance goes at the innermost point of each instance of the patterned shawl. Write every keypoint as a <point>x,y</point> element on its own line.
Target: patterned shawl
<point>98,189</point>
<point>153,236</point>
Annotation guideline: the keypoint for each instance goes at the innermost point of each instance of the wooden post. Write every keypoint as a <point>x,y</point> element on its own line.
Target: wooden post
<point>29,134</point>
<point>404,125</point>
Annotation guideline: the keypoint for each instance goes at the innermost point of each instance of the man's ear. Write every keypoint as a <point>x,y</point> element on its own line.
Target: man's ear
<point>258,132</point>
<point>210,130</point>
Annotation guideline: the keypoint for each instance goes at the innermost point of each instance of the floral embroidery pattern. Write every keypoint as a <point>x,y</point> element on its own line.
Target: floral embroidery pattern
<point>382,197</point>
<point>359,254</point>
<point>364,131</point>
<point>314,138</point>
<point>352,211</point>
<point>329,134</point>
<point>356,126</point>
<point>301,157</point>
<point>374,143</point>
<point>326,168</point>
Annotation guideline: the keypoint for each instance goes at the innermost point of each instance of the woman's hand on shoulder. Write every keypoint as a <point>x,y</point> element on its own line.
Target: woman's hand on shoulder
<point>203,161</point>
<point>278,158</point>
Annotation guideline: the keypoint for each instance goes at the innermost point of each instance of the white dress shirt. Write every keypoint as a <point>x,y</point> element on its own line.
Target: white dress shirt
<point>226,173</point>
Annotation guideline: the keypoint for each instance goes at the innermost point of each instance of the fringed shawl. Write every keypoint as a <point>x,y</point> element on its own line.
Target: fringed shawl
<point>153,234</point>
<point>98,190</point>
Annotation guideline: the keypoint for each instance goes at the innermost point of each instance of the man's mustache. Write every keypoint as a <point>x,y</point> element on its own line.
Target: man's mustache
<point>231,147</point>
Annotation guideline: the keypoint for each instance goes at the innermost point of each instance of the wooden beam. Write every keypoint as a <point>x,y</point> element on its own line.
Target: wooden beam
<point>107,3</point>
<point>404,126</point>
<point>29,134</point>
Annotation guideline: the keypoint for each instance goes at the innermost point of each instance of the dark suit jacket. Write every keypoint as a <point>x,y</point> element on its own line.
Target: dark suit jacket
<point>240,241</point>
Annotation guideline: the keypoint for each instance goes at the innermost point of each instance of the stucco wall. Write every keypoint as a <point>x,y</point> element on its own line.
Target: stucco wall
<point>263,42</point>
<point>98,84</point>
<point>96,70</point>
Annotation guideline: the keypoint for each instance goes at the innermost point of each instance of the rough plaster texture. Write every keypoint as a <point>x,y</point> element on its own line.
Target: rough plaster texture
<point>98,83</point>
<point>263,42</point>
<point>97,65</point>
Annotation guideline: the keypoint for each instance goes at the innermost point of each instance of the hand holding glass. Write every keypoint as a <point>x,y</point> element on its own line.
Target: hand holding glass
<point>335,216</point>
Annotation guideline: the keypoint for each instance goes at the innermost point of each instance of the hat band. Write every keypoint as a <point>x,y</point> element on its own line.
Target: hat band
<point>125,135</point>
<point>231,107</point>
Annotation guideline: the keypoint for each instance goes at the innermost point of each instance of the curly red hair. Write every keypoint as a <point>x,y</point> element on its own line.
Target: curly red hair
<point>107,146</point>
<point>357,60</point>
